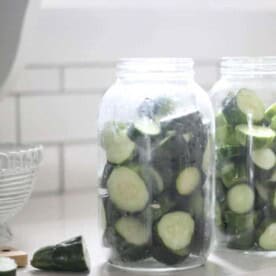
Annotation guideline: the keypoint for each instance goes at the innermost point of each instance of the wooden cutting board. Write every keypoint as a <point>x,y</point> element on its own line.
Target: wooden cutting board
<point>20,257</point>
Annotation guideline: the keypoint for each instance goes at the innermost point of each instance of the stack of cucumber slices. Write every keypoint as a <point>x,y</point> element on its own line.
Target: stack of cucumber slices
<point>246,172</point>
<point>154,182</point>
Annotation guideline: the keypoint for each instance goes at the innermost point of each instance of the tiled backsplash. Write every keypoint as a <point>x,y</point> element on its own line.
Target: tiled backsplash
<point>56,105</point>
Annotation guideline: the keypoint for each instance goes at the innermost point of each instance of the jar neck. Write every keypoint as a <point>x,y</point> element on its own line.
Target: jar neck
<point>248,67</point>
<point>156,69</point>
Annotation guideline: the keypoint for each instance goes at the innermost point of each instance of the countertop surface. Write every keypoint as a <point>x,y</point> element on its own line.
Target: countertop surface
<point>50,219</point>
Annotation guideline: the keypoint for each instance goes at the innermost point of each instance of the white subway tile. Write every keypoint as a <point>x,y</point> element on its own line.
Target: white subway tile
<point>59,117</point>
<point>89,78</point>
<point>48,175</point>
<point>80,167</point>
<point>7,120</point>
<point>37,80</point>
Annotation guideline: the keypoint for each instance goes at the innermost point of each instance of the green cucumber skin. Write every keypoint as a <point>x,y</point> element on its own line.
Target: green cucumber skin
<point>230,151</point>
<point>108,168</point>
<point>231,112</point>
<point>243,241</point>
<point>66,256</point>
<point>8,273</point>
<point>237,224</point>
<point>163,204</point>
<point>165,256</point>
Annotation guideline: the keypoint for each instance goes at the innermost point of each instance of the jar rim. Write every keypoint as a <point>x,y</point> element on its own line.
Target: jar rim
<point>155,66</point>
<point>248,65</point>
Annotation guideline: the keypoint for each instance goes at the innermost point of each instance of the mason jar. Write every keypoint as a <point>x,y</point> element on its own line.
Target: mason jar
<point>244,100</point>
<point>156,136</point>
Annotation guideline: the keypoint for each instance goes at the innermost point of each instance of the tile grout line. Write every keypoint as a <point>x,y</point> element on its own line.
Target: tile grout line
<point>62,183</point>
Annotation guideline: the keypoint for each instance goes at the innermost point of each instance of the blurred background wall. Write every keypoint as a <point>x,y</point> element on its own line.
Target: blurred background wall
<point>71,62</point>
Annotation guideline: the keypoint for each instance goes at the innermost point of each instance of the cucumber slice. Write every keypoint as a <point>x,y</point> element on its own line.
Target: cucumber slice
<point>188,180</point>
<point>7,267</point>
<point>240,199</point>
<point>70,255</point>
<point>174,234</point>
<point>261,136</point>
<point>176,230</point>
<point>127,190</point>
<point>264,159</point>
<point>132,231</point>
<point>245,106</point>
<point>115,141</point>
<point>267,236</point>
<point>273,123</point>
<point>147,126</point>
<point>131,239</point>
<point>270,112</point>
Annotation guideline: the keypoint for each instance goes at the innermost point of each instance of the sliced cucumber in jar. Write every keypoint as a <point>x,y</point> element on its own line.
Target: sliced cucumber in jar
<point>7,267</point>
<point>270,112</point>
<point>246,106</point>
<point>127,190</point>
<point>273,123</point>
<point>116,143</point>
<point>264,159</point>
<point>267,236</point>
<point>132,239</point>
<point>259,136</point>
<point>240,199</point>
<point>173,235</point>
<point>188,180</point>
<point>147,126</point>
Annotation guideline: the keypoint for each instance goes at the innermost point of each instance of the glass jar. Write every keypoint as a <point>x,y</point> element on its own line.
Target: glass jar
<point>245,105</point>
<point>156,131</point>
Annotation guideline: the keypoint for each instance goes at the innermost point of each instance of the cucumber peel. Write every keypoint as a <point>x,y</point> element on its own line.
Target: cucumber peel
<point>70,255</point>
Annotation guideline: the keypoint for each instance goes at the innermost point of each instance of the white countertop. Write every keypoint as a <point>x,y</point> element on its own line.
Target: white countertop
<point>51,219</point>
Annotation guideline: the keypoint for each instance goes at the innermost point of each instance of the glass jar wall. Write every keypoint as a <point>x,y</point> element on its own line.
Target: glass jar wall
<point>245,105</point>
<point>156,129</point>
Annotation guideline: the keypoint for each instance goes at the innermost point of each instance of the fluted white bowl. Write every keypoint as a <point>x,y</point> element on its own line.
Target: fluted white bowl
<point>18,168</point>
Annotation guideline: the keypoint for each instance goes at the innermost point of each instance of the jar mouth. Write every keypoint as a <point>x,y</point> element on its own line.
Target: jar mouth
<point>155,67</point>
<point>245,65</point>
